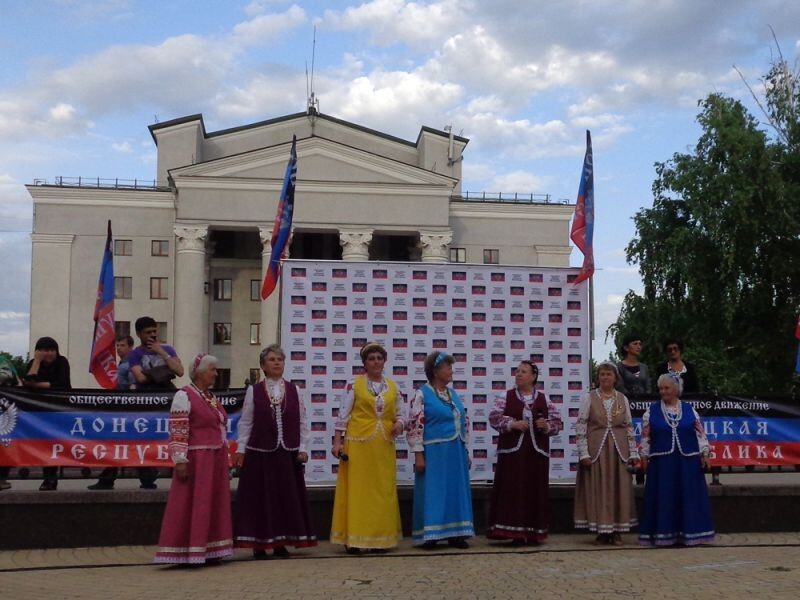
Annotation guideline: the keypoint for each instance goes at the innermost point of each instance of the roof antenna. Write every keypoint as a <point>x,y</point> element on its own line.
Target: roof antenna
<point>312,108</point>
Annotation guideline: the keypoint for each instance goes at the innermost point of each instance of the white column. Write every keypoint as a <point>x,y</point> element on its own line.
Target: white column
<point>191,326</point>
<point>434,245</point>
<point>51,296</point>
<point>355,244</point>
<point>270,317</point>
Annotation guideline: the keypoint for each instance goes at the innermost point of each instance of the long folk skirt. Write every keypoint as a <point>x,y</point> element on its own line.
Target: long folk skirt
<point>442,496</point>
<point>520,508</point>
<point>197,519</point>
<point>366,512</point>
<point>271,502</point>
<point>676,505</point>
<point>604,495</point>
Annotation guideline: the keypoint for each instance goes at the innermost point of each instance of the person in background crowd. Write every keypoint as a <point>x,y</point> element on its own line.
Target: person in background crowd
<point>8,378</point>
<point>678,368</point>
<point>675,451</point>
<point>197,520</point>
<point>48,370</point>
<point>633,375</point>
<point>272,449</point>
<point>125,381</point>
<point>153,365</point>
<point>366,511</point>
<point>438,435</point>
<point>607,447</point>
<point>526,421</point>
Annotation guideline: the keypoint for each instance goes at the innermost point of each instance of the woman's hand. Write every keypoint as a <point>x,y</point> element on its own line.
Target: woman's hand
<point>586,463</point>
<point>541,424</point>
<point>337,448</point>
<point>705,461</point>
<point>182,471</point>
<point>643,461</point>
<point>419,462</point>
<point>302,457</point>
<point>238,460</point>
<point>397,429</point>
<point>520,425</point>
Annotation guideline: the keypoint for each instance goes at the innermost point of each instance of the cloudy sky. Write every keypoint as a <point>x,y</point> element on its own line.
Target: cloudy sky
<point>80,81</point>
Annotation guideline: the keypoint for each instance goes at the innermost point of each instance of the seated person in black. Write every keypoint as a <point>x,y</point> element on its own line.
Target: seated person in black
<point>49,371</point>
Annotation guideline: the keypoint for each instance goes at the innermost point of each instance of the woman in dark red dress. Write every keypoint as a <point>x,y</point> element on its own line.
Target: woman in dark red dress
<point>526,421</point>
<point>271,501</point>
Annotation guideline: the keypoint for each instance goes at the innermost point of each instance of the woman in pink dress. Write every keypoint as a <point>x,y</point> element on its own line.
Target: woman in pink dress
<point>197,521</point>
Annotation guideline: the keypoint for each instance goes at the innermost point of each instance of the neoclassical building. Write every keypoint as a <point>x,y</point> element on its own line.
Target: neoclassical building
<point>191,249</point>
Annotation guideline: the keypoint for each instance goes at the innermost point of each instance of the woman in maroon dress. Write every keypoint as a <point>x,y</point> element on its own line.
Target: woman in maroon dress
<point>197,520</point>
<point>525,421</point>
<point>271,502</point>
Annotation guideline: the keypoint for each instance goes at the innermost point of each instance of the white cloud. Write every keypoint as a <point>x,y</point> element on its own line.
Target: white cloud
<point>265,28</point>
<point>123,147</point>
<point>521,182</point>
<point>396,21</point>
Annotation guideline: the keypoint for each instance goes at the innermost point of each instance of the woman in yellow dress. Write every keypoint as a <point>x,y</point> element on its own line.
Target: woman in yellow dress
<point>366,513</point>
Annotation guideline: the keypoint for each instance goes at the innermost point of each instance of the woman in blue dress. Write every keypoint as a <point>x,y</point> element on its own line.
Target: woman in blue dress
<point>674,452</point>
<point>438,436</point>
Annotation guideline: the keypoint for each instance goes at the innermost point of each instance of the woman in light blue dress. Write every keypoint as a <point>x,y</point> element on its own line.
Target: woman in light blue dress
<point>438,436</point>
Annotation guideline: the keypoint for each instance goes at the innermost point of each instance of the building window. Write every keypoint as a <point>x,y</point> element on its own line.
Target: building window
<point>223,379</point>
<point>163,331</point>
<point>223,289</point>
<point>159,248</point>
<point>122,328</point>
<point>491,257</point>
<point>222,333</point>
<point>158,288</point>
<point>458,255</point>
<point>123,288</point>
<point>255,333</point>
<point>123,247</point>
<point>255,290</point>
<point>255,376</point>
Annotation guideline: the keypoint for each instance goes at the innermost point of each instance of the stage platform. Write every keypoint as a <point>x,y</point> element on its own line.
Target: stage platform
<point>74,517</point>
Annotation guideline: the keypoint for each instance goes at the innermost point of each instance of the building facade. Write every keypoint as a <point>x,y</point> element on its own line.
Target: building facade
<point>191,250</point>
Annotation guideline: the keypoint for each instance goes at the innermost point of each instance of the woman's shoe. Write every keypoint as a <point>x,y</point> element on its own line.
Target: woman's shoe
<point>352,550</point>
<point>516,543</point>
<point>260,555</point>
<point>281,552</point>
<point>49,485</point>
<point>429,545</point>
<point>459,543</point>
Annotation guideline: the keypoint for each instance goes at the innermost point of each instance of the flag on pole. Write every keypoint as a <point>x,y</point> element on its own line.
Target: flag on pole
<point>582,233</point>
<point>797,335</point>
<point>103,360</point>
<point>282,230</point>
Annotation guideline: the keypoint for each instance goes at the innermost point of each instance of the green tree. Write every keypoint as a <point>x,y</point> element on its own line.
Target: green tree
<point>719,251</point>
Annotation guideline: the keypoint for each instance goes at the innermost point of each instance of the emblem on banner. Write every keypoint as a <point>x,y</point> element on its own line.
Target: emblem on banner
<point>8,420</point>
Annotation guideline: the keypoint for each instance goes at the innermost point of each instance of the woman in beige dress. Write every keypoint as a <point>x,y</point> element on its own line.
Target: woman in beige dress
<point>607,448</point>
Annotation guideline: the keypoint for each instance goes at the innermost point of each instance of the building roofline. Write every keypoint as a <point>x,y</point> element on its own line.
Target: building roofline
<point>199,117</point>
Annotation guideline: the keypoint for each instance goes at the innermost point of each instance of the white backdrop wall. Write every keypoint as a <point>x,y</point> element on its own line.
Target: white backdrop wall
<point>489,317</point>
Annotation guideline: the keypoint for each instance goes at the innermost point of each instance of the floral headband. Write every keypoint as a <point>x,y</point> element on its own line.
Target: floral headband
<point>439,359</point>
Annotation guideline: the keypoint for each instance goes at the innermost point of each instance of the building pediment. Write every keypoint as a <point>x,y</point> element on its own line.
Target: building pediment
<point>319,160</point>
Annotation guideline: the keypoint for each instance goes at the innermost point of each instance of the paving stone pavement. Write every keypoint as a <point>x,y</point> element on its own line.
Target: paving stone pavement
<point>738,566</point>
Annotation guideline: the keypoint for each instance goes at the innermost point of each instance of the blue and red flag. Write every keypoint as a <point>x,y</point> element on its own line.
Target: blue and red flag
<point>282,230</point>
<point>797,335</point>
<point>582,233</point>
<point>103,360</point>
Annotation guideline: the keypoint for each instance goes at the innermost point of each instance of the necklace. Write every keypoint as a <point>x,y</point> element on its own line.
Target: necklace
<point>377,389</point>
<point>444,395</point>
<point>611,403</point>
<point>207,396</point>
<point>672,418</point>
<point>275,391</point>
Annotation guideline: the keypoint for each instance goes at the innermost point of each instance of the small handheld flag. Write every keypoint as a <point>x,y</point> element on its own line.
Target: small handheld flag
<point>282,230</point>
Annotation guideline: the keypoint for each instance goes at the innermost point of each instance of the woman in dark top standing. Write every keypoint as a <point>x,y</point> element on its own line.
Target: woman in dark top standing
<point>50,371</point>
<point>633,375</point>
<point>680,370</point>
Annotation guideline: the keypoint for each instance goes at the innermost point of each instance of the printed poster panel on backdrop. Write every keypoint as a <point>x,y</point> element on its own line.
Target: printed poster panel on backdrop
<point>489,317</point>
